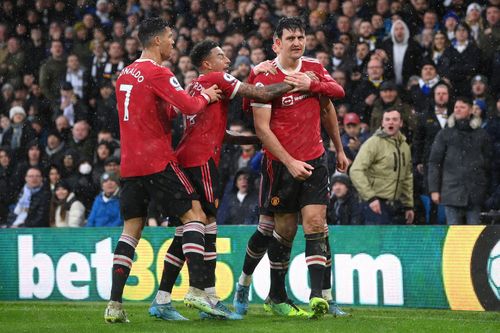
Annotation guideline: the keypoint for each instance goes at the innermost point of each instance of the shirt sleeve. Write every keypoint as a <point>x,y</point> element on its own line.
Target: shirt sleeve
<point>327,85</point>
<point>228,84</point>
<point>168,88</point>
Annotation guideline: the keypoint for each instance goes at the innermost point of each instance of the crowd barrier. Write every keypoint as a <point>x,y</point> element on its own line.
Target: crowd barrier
<point>399,266</point>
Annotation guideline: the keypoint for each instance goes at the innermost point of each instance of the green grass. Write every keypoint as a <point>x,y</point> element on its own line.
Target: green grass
<point>88,317</point>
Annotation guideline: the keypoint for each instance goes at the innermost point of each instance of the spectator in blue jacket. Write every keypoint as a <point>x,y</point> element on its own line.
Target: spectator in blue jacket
<point>106,208</point>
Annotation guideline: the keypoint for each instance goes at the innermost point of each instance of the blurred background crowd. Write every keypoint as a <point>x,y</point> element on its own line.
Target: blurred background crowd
<point>59,132</point>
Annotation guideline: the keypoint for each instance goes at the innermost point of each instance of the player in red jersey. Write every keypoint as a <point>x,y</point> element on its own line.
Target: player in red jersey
<point>295,175</point>
<point>199,153</point>
<point>149,167</point>
<point>258,243</point>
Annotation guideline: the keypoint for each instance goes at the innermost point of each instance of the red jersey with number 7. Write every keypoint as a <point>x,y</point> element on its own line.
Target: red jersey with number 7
<point>145,92</point>
<point>202,139</point>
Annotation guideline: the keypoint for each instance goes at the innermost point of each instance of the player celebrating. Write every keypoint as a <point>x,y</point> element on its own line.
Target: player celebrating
<point>199,153</point>
<point>149,167</point>
<point>295,175</point>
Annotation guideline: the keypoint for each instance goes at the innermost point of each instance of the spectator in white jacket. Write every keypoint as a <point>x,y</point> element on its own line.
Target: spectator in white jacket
<point>65,209</point>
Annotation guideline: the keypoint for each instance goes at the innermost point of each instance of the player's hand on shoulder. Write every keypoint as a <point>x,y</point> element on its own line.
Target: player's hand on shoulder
<point>299,170</point>
<point>265,67</point>
<point>214,93</point>
<point>300,81</point>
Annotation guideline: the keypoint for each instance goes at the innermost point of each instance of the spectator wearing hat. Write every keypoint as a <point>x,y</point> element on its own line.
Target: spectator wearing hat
<point>389,99</point>
<point>344,207</point>
<point>81,43</point>
<point>112,164</point>
<point>32,207</point>
<point>474,20</point>
<point>19,133</point>
<point>70,105</point>
<point>404,54</point>
<point>382,174</point>
<point>106,208</point>
<point>65,209</point>
<point>461,61</point>
<point>421,93</point>
<point>69,166</point>
<point>53,71</point>
<point>459,165</point>
<point>103,151</point>
<point>85,187</point>
<point>481,94</point>
<point>353,137</point>
<point>450,22</point>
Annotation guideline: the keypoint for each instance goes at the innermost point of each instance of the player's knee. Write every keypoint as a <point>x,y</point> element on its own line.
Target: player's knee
<point>314,224</point>
<point>286,231</point>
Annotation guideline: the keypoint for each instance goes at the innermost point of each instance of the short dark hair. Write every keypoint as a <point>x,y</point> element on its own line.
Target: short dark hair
<point>393,109</point>
<point>201,51</point>
<point>464,99</point>
<point>289,23</point>
<point>151,27</point>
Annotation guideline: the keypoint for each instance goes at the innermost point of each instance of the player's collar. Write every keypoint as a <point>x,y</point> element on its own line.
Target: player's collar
<point>297,69</point>
<point>145,59</point>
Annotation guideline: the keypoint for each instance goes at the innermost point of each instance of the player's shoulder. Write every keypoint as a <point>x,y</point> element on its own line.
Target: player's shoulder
<point>216,77</point>
<point>309,62</point>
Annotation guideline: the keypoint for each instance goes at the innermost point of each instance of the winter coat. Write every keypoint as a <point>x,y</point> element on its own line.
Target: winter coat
<point>383,169</point>
<point>349,210</point>
<point>363,90</point>
<point>38,212</point>
<point>27,135</point>
<point>459,68</point>
<point>105,214</point>
<point>75,215</point>
<point>459,163</point>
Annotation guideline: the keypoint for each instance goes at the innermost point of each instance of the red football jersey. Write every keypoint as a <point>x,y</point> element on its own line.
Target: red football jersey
<point>144,93</point>
<point>295,117</point>
<point>205,131</point>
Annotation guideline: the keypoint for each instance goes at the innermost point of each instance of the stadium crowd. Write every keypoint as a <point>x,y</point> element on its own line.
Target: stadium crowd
<point>436,62</point>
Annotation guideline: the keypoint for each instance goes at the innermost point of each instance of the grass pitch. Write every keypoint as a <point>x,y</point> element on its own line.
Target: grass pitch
<point>88,317</point>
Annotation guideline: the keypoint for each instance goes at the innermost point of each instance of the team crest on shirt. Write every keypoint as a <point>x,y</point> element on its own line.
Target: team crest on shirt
<point>175,83</point>
<point>275,201</point>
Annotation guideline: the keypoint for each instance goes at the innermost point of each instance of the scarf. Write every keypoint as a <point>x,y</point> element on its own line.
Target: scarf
<point>426,87</point>
<point>23,204</point>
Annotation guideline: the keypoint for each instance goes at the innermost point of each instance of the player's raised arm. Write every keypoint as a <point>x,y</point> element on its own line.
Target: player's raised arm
<point>262,117</point>
<point>326,86</point>
<point>263,93</point>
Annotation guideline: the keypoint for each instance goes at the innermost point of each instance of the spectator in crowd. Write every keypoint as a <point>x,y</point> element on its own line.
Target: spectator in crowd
<point>240,205</point>
<point>382,174</point>
<point>33,158</point>
<point>481,95</point>
<point>7,183</point>
<point>76,76</point>
<point>489,39</point>
<point>81,140</point>
<point>70,105</point>
<point>19,133</point>
<point>4,125</point>
<point>367,90</point>
<point>13,64</point>
<point>65,209</point>
<point>421,93</point>
<point>389,99</point>
<point>106,135</point>
<point>340,59</point>
<point>440,43</point>
<point>85,187</point>
<point>132,52</point>
<point>404,54</point>
<point>55,148</point>
<point>344,207</point>
<point>54,177</point>
<point>461,61</point>
<point>353,137</point>
<point>459,165</point>
<point>106,115</point>
<point>103,151</point>
<point>53,71</point>
<point>106,208</point>
<point>32,207</point>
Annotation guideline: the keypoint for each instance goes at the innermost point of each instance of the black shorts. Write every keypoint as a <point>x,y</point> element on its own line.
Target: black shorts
<point>169,193</point>
<point>205,179</point>
<point>281,193</point>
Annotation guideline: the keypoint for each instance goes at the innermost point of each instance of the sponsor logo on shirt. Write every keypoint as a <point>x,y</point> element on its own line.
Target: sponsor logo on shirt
<point>290,100</point>
<point>175,83</point>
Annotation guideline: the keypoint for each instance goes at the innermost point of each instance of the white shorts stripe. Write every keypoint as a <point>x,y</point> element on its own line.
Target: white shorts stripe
<point>182,177</point>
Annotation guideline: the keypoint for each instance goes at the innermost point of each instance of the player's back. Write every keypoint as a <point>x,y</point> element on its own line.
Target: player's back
<point>295,117</point>
<point>145,132</point>
<point>205,131</point>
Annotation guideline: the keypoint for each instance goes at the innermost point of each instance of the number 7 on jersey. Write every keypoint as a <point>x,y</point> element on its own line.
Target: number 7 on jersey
<point>128,89</point>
